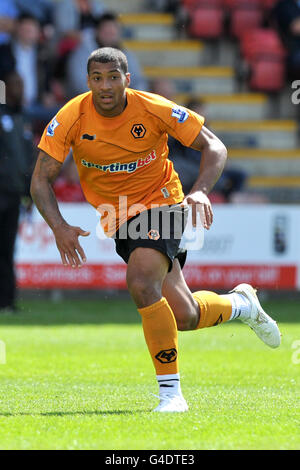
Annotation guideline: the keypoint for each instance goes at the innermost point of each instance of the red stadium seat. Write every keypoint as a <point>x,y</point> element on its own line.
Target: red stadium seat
<point>228,4</point>
<point>267,75</point>
<point>263,52</point>
<point>190,4</point>
<point>262,41</point>
<point>243,19</point>
<point>207,23</point>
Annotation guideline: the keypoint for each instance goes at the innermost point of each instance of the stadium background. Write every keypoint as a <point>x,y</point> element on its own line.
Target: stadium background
<point>226,59</point>
<point>74,367</point>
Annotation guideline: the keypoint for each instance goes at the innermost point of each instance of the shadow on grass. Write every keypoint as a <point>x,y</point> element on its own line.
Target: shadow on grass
<point>76,413</point>
<point>112,311</point>
<point>72,312</point>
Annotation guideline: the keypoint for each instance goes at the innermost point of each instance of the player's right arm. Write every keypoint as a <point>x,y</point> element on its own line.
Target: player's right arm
<point>45,173</point>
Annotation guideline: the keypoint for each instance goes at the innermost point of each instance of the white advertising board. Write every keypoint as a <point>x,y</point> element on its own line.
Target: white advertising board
<point>259,244</point>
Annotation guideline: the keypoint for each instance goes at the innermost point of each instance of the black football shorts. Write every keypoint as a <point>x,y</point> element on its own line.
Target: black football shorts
<point>159,228</point>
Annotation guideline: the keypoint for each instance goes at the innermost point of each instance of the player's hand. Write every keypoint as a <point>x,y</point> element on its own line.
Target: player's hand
<point>71,252</point>
<point>200,203</point>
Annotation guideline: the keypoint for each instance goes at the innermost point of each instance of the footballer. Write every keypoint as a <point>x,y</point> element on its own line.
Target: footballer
<point>119,139</point>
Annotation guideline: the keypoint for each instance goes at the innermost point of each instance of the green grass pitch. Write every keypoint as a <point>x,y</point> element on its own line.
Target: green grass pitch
<point>78,376</point>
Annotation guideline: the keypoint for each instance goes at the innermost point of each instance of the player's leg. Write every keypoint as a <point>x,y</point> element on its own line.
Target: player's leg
<point>147,269</point>
<point>204,309</point>
<point>184,306</point>
<point>194,310</point>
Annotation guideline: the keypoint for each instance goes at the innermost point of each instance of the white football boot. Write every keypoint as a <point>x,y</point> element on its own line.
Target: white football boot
<point>171,403</point>
<point>263,325</point>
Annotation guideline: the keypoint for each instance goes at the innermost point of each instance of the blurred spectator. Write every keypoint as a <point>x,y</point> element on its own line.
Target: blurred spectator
<point>107,33</point>
<point>72,16</point>
<point>39,9</point>
<point>16,161</point>
<point>186,161</point>
<point>33,62</point>
<point>67,187</point>
<point>8,15</point>
<point>231,183</point>
<point>170,6</point>
<point>177,9</point>
<point>287,16</point>
<point>163,87</point>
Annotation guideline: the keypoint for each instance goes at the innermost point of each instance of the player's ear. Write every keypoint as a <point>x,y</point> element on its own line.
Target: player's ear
<point>88,81</point>
<point>127,79</point>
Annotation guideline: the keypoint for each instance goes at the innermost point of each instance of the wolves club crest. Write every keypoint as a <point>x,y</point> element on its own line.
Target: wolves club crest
<point>138,131</point>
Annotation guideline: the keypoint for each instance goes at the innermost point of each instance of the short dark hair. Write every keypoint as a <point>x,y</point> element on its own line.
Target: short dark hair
<point>107,16</point>
<point>105,55</point>
<point>28,17</point>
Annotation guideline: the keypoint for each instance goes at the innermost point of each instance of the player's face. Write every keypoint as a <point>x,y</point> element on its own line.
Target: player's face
<point>108,83</point>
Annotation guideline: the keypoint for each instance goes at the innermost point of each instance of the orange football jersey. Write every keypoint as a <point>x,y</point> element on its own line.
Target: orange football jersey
<point>123,158</point>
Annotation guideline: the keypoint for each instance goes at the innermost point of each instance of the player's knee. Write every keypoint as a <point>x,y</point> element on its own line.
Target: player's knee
<point>144,291</point>
<point>187,314</point>
<point>182,324</point>
<point>186,323</point>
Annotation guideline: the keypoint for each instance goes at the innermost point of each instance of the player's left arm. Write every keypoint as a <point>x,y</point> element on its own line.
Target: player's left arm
<point>213,159</point>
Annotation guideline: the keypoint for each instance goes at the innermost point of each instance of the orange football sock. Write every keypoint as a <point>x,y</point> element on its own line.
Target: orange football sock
<point>161,336</point>
<point>214,308</point>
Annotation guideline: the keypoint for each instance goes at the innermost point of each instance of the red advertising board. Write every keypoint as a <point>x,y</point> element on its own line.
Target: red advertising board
<point>259,245</point>
<point>113,276</point>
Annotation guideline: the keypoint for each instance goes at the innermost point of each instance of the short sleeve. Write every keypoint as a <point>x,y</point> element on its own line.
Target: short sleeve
<point>58,136</point>
<point>181,123</point>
